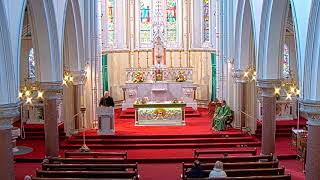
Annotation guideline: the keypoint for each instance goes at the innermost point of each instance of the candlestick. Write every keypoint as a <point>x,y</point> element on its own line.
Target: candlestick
<point>130,56</point>
<point>171,58</point>
<point>189,54</point>
<point>180,58</point>
<point>138,59</point>
<point>147,58</point>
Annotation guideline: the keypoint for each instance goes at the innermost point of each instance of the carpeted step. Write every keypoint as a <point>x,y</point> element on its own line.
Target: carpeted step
<point>222,134</point>
<point>164,146</point>
<point>161,141</point>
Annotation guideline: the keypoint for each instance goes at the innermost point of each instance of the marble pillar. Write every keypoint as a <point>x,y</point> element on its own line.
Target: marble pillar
<point>268,114</point>
<point>7,113</point>
<point>312,109</point>
<point>239,98</point>
<point>52,93</point>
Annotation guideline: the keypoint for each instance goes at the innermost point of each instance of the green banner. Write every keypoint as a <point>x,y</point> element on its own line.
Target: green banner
<point>105,73</point>
<point>214,76</point>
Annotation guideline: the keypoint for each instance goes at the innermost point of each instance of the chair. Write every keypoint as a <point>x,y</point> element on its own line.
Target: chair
<point>229,120</point>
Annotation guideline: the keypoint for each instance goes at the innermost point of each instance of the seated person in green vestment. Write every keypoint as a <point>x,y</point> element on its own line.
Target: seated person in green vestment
<point>220,116</point>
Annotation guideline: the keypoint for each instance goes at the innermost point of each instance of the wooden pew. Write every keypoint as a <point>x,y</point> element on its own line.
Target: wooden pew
<point>86,174</point>
<point>251,172</point>
<point>252,152</point>
<point>96,154</point>
<point>231,159</point>
<point>279,177</point>
<point>89,167</point>
<point>38,178</point>
<point>237,165</point>
<point>87,160</point>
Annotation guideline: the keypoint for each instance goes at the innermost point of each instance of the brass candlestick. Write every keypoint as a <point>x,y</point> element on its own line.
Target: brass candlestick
<point>147,58</point>
<point>138,59</point>
<point>171,58</point>
<point>188,61</point>
<point>130,54</point>
<point>180,58</point>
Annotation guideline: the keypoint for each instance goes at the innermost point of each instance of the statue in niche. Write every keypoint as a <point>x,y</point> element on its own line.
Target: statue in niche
<point>159,51</point>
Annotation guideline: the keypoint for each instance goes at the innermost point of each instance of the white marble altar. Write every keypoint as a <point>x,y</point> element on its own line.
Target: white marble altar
<point>285,109</point>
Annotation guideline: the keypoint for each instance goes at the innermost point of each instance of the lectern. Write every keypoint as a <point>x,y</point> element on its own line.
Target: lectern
<point>106,122</point>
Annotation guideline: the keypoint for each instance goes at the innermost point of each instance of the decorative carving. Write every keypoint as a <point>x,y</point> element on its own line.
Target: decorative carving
<point>8,112</point>
<point>312,109</point>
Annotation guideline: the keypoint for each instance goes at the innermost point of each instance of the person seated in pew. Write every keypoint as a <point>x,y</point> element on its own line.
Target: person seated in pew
<point>196,171</point>
<point>217,171</point>
<point>220,116</point>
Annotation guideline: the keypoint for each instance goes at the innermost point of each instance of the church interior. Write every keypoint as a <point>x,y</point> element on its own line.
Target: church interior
<point>160,89</point>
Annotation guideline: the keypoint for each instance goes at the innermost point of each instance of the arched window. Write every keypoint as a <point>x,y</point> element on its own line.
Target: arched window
<point>145,21</point>
<point>110,20</point>
<point>171,21</point>
<point>286,62</point>
<point>206,21</point>
<point>31,65</point>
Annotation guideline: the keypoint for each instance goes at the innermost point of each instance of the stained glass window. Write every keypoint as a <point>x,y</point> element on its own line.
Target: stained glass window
<point>206,21</point>
<point>171,15</point>
<point>145,21</point>
<point>285,63</point>
<point>110,17</point>
<point>31,65</point>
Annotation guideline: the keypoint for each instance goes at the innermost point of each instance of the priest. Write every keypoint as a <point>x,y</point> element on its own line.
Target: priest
<point>220,116</point>
<point>106,100</point>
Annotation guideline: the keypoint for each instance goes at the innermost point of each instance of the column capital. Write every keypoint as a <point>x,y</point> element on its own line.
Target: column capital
<point>312,109</point>
<point>7,112</point>
<point>52,90</point>
<point>237,76</point>
<point>267,86</point>
<point>79,77</point>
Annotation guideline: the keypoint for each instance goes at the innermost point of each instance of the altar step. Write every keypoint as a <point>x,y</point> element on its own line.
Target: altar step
<point>162,141</point>
<point>129,113</point>
<point>36,131</point>
<point>283,127</point>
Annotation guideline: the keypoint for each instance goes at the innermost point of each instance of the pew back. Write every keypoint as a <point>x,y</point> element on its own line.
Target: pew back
<point>252,152</point>
<point>96,154</point>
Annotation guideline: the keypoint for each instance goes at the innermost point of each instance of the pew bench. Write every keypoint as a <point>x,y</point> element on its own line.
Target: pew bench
<point>237,165</point>
<point>87,160</point>
<point>40,178</point>
<point>96,154</point>
<point>87,174</point>
<point>252,152</point>
<point>89,167</point>
<point>231,159</point>
<point>278,177</point>
<point>250,172</point>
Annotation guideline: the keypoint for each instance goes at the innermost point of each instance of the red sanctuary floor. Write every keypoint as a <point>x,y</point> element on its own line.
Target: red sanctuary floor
<point>125,127</point>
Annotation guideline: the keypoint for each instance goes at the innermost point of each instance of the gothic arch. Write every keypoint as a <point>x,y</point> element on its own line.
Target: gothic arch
<point>72,37</point>
<point>244,42</point>
<point>45,39</point>
<point>270,47</point>
<point>8,88</point>
<point>311,81</point>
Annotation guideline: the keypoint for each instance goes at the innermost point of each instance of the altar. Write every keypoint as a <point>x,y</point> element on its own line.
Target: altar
<point>160,113</point>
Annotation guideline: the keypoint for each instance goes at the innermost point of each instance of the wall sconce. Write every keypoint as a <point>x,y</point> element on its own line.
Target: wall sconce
<point>30,91</point>
<point>67,78</point>
<point>250,74</point>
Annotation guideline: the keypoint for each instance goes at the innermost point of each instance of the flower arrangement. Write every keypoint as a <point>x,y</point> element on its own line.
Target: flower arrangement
<point>138,77</point>
<point>181,76</point>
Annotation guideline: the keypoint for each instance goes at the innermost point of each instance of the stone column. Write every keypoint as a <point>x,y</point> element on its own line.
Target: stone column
<point>268,114</point>
<point>79,81</point>
<point>52,92</point>
<point>7,113</point>
<point>312,109</point>
<point>238,100</point>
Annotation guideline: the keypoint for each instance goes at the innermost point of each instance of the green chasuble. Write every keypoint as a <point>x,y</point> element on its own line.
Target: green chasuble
<point>219,117</point>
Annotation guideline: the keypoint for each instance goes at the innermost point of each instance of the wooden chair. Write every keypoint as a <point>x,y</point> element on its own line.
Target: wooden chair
<point>229,120</point>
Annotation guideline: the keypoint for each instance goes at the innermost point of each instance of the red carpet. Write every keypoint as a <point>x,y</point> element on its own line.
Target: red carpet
<point>196,127</point>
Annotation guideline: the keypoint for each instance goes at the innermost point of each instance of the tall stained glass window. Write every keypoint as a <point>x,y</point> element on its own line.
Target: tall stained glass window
<point>110,16</point>
<point>206,21</point>
<point>145,21</point>
<point>285,63</point>
<point>31,65</point>
<point>171,15</point>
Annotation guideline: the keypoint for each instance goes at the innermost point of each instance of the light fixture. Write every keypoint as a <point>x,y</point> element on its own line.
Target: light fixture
<point>29,90</point>
<point>250,73</point>
<point>67,78</point>
<point>277,90</point>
